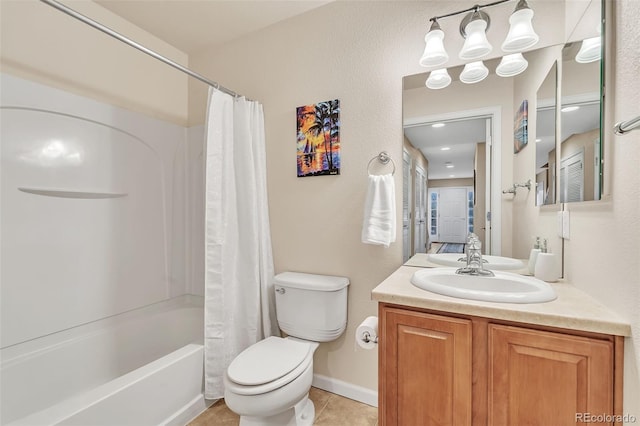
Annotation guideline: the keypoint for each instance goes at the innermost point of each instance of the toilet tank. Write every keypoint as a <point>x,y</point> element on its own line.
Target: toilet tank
<point>311,307</point>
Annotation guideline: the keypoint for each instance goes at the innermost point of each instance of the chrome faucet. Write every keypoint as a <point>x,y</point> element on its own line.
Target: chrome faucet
<point>474,259</point>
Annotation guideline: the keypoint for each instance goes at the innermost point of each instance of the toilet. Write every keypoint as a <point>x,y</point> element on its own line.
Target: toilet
<point>268,383</point>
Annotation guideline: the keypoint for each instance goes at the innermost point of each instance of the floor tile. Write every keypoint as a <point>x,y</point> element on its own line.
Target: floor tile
<point>331,410</point>
<point>343,411</point>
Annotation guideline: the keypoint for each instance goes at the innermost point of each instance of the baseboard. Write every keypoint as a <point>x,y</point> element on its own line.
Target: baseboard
<point>348,390</point>
<point>189,412</point>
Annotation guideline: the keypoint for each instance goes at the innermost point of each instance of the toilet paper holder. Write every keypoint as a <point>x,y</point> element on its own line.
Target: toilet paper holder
<point>366,337</point>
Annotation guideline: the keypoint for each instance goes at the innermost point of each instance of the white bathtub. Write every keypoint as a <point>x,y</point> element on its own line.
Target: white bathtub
<point>142,367</point>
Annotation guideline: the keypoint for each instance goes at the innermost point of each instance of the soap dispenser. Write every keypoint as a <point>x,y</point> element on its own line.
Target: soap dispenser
<point>533,255</point>
<point>545,268</point>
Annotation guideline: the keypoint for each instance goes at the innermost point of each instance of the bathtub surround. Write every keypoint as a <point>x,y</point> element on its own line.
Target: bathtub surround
<point>239,291</point>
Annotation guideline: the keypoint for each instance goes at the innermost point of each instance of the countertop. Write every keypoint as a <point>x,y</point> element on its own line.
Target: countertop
<point>573,309</point>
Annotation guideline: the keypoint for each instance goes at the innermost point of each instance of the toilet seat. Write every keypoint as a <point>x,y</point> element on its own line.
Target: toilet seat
<point>268,365</point>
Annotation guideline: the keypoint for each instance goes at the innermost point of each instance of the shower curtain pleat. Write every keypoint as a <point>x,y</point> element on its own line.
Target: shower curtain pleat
<point>239,300</point>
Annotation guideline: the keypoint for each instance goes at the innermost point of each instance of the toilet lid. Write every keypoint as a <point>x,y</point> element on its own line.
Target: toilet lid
<point>267,360</point>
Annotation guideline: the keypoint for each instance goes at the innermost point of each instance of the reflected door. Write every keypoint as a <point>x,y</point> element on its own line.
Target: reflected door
<point>453,215</point>
<point>406,200</point>
<point>421,211</point>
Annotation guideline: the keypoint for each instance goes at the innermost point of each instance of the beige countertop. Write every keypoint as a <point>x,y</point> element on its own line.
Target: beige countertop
<point>421,260</point>
<point>573,309</point>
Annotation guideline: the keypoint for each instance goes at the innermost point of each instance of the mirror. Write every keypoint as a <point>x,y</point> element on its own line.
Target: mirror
<point>580,167</point>
<point>478,179</point>
<point>546,139</point>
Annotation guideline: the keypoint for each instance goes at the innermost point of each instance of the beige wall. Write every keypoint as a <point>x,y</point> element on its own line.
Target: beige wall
<point>59,51</point>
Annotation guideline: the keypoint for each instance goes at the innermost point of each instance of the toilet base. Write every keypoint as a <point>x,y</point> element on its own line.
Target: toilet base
<point>303,414</point>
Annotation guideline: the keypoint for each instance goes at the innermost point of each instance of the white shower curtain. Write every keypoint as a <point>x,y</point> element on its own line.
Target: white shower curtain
<point>239,298</point>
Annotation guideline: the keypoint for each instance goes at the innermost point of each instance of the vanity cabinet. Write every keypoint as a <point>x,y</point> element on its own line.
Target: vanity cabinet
<point>437,369</point>
<point>425,369</point>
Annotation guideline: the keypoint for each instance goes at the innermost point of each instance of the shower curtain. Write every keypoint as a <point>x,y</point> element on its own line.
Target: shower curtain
<point>239,297</point>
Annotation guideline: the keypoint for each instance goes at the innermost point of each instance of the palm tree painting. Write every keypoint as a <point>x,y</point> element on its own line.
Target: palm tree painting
<point>318,139</point>
<point>521,128</point>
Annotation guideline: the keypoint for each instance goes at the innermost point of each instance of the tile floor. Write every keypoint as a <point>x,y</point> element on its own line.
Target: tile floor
<point>331,410</point>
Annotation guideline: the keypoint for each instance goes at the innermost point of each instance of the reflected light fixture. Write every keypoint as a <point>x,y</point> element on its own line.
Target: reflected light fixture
<point>589,50</point>
<point>521,34</point>
<point>474,28</point>
<point>438,79</point>
<point>437,125</point>
<point>511,65</point>
<point>474,72</point>
<point>434,53</point>
<point>570,108</point>
<point>445,148</point>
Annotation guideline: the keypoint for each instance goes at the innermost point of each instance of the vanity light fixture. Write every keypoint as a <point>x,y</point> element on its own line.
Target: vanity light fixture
<point>473,28</point>
<point>438,79</point>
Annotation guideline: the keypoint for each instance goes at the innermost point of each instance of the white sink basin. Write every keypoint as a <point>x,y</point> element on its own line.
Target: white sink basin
<point>504,287</point>
<point>495,263</point>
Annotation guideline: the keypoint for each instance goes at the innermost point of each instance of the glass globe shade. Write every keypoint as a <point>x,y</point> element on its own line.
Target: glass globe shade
<point>438,79</point>
<point>434,53</point>
<point>474,72</point>
<point>476,44</point>
<point>589,50</point>
<point>511,65</point>
<point>521,34</point>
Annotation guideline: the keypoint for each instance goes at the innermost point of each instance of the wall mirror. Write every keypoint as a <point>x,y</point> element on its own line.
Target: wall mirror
<point>580,168</point>
<point>458,145</point>
<point>545,141</point>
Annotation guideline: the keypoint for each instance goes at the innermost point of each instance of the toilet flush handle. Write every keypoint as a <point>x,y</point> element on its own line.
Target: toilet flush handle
<point>280,290</point>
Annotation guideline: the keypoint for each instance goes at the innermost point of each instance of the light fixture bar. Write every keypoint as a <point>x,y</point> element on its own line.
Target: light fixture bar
<point>471,9</point>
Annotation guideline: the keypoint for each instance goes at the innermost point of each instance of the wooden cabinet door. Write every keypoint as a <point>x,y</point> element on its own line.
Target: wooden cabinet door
<point>544,378</point>
<point>425,369</point>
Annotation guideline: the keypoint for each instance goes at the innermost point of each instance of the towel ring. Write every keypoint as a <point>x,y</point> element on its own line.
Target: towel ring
<point>383,158</point>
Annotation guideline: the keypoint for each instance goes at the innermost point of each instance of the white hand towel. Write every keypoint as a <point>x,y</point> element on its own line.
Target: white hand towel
<point>379,226</point>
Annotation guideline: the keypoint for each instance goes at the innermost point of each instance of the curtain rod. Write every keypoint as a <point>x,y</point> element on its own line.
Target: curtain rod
<point>57,5</point>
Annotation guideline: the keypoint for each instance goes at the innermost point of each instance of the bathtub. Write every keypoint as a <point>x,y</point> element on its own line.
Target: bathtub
<point>143,367</point>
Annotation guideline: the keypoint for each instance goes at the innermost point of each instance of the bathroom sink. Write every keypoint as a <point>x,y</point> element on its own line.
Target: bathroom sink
<point>495,263</point>
<point>505,287</point>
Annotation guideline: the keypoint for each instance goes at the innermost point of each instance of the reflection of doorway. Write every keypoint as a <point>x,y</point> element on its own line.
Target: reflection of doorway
<point>453,215</point>
<point>450,214</point>
<point>407,229</point>
<point>462,149</point>
<point>420,209</point>
<point>572,178</point>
